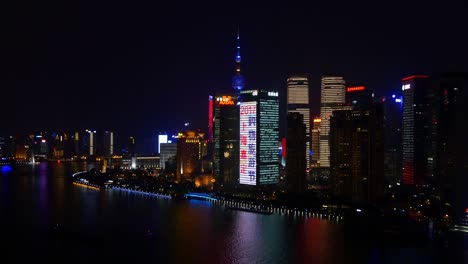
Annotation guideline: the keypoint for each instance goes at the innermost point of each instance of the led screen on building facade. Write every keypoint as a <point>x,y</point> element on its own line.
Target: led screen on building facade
<point>248,143</point>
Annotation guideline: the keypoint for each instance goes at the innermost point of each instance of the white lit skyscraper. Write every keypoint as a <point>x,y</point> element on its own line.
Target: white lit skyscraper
<point>259,135</point>
<point>333,96</point>
<point>298,102</point>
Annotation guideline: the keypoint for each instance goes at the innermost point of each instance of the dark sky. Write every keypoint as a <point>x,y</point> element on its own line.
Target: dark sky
<point>139,68</point>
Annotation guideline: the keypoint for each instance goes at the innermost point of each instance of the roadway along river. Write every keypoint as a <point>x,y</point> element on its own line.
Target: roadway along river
<point>112,225</point>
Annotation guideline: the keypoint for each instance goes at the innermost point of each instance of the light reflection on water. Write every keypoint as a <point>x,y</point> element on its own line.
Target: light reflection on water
<point>111,225</point>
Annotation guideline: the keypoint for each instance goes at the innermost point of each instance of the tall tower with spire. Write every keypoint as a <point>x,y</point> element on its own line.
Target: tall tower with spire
<point>238,81</point>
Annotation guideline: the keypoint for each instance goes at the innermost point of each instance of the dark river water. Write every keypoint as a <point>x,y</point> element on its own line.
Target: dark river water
<point>104,226</point>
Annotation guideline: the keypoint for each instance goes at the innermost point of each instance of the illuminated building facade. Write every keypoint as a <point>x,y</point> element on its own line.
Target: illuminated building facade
<point>210,118</point>
<point>296,156</point>
<point>88,143</point>
<point>415,130</point>
<point>332,98</point>
<point>259,137</point>
<point>168,150</point>
<point>107,143</point>
<point>190,150</point>
<point>162,139</point>
<point>298,102</point>
<point>357,155</point>
<point>58,145</point>
<point>315,142</point>
<point>225,140</point>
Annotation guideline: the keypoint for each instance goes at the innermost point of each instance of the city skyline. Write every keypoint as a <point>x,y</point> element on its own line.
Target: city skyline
<point>136,71</point>
<point>234,132</point>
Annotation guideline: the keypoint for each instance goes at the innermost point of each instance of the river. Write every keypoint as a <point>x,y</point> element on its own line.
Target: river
<point>110,225</point>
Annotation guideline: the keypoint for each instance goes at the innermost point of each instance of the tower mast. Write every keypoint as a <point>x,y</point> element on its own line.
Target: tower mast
<point>238,81</point>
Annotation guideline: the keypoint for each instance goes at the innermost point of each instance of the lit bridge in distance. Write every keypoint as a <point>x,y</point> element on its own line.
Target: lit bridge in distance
<point>204,196</point>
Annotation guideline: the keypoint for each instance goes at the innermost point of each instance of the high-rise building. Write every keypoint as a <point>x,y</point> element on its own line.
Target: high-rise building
<point>416,128</point>
<point>162,138</point>
<point>168,150</point>
<point>393,110</point>
<point>296,156</point>
<point>76,144</point>
<point>358,97</point>
<point>210,118</point>
<point>190,151</point>
<point>357,155</point>
<point>89,142</point>
<point>225,140</point>
<point>316,143</point>
<point>107,144</point>
<point>59,142</point>
<point>332,98</point>
<point>130,146</point>
<point>298,102</point>
<point>452,157</point>
<point>259,136</point>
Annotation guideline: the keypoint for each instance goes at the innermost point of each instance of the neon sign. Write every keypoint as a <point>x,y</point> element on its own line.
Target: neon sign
<point>355,89</point>
<point>225,100</point>
<point>248,143</point>
<point>405,87</point>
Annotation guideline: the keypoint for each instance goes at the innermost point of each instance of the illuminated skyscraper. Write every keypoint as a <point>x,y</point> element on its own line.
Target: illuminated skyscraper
<point>108,144</point>
<point>190,150</point>
<point>357,154</point>
<point>298,102</point>
<point>210,118</point>
<point>89,142</point>
<point>316,143</point>
<point>259,135</point>
<point>332,98</point>
<point>415,128</point>
<point>168,150</point>
<point>162,139</point>
<point>225,140</point>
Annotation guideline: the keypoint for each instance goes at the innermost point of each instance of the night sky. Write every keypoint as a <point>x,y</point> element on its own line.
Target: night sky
<point>139,69</point>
